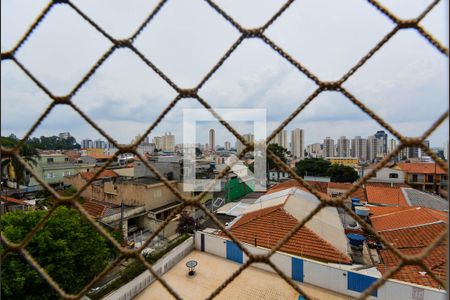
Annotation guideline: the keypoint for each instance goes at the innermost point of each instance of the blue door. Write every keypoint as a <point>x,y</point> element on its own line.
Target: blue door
<point>297,269</point>
<point>358,282</point>
<point>234,253</point>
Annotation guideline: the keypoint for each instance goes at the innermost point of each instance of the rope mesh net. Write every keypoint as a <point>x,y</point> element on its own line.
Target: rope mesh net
<point>195,201</point>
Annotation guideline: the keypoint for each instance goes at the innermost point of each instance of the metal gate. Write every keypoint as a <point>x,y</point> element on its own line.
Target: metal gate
<point>234,253</point>
<point>297,269</point>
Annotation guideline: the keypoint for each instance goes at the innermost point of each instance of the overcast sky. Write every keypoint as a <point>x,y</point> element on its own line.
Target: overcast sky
<point>405,82</point>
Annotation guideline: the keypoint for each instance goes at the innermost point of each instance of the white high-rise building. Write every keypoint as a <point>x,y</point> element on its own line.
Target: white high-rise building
<point>281,138</point>
<point>227,145</point>
<point>328,147</point>
<point>212,140</point>
<point>165,142</point>
<point>157,140</point>
<point>87,143</point>
<point>64,135</point>
<point>297,143</point>
<point>168,141</point>
<point>359,148</point>
<point>343,147</point>
<point>99,144</point>
<point>392,145</point>
<point>373,147</point>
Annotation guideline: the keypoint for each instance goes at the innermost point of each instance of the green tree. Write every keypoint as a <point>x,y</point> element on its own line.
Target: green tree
<point>341,173</point>
<point>270,164</point>
<point>68,247</point>
<point>27,152</point>
<point>312,167</point>
<point>278,151</point>
<point>186,223</point>
<point>198,152</point>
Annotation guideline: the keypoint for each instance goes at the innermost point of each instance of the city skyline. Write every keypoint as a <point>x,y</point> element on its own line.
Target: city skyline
<point>253,76</point>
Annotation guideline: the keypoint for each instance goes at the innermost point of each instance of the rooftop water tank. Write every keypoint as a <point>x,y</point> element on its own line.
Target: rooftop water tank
<point>355,204</point>
<point>355,200</point>
<point>362,211</point>
<point>356,240</point>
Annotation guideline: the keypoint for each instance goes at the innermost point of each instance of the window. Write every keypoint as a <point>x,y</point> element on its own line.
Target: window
<point>67,173</point>
<point>50,175</point>
<point>414,178</point>
<point>66,159</point>
<point>393,175</point>
<point>49,159</point>
<point>430,178</point>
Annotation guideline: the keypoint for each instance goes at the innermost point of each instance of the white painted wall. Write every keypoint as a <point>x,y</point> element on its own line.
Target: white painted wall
<point>164,264</point>
<point>327,276</point>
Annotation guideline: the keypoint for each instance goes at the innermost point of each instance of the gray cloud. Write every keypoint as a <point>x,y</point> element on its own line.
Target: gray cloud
<point>405,82</point>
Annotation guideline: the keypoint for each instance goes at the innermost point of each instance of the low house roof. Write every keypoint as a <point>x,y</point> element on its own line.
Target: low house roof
<point>104,174</point>
<point>413,241</point>
<point>412,217</point>
<point>13,200</point>
<point>99,155</point>
<point>266,227</point>
<point>385,195</point>
<point>422,168</point>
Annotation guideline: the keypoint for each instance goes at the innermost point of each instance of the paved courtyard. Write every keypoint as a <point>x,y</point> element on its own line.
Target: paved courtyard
<point>211,271</point>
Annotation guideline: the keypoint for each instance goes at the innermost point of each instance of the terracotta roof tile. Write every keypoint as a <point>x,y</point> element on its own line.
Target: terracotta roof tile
<point>385,184</point>
<point>383,210</point>
<point>13,200</point>
<point>99,156</point>
<point>359,193</point>
<point>96,210</point>
<point>415,216</point>
<point>104,174</point>
<point>268,226</point>
<point>421,168</point>
<point>385,195</point>
<point>413,241</point>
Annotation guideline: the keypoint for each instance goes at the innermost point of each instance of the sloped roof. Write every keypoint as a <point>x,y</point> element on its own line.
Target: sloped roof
<point>95,209</point>
<point>383,210</point>
<point>385,195</point>
<point>413,241</point>
<point>292,183</point>
<point>270,225</point>
<point>421,168</point>
<point>104,174</point>
<point>418,198</point>
<point>415,216</point>
<point>13,200</point>
<point>359,193</point>
<point>99,155</point>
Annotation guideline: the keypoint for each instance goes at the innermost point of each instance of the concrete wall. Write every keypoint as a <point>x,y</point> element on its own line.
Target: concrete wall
<point>383,175</point>
<point>331,277</point>
<point>164,264</point>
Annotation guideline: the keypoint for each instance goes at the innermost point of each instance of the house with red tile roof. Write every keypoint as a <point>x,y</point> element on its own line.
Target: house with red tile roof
<point>404,197</point>
<point>385,196</point>
<point>404,218</point>
<point>424,176</point>
<point>413,241</point>
<point>9,204</point>
<point>411,230</point>
<point>273,215</point>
